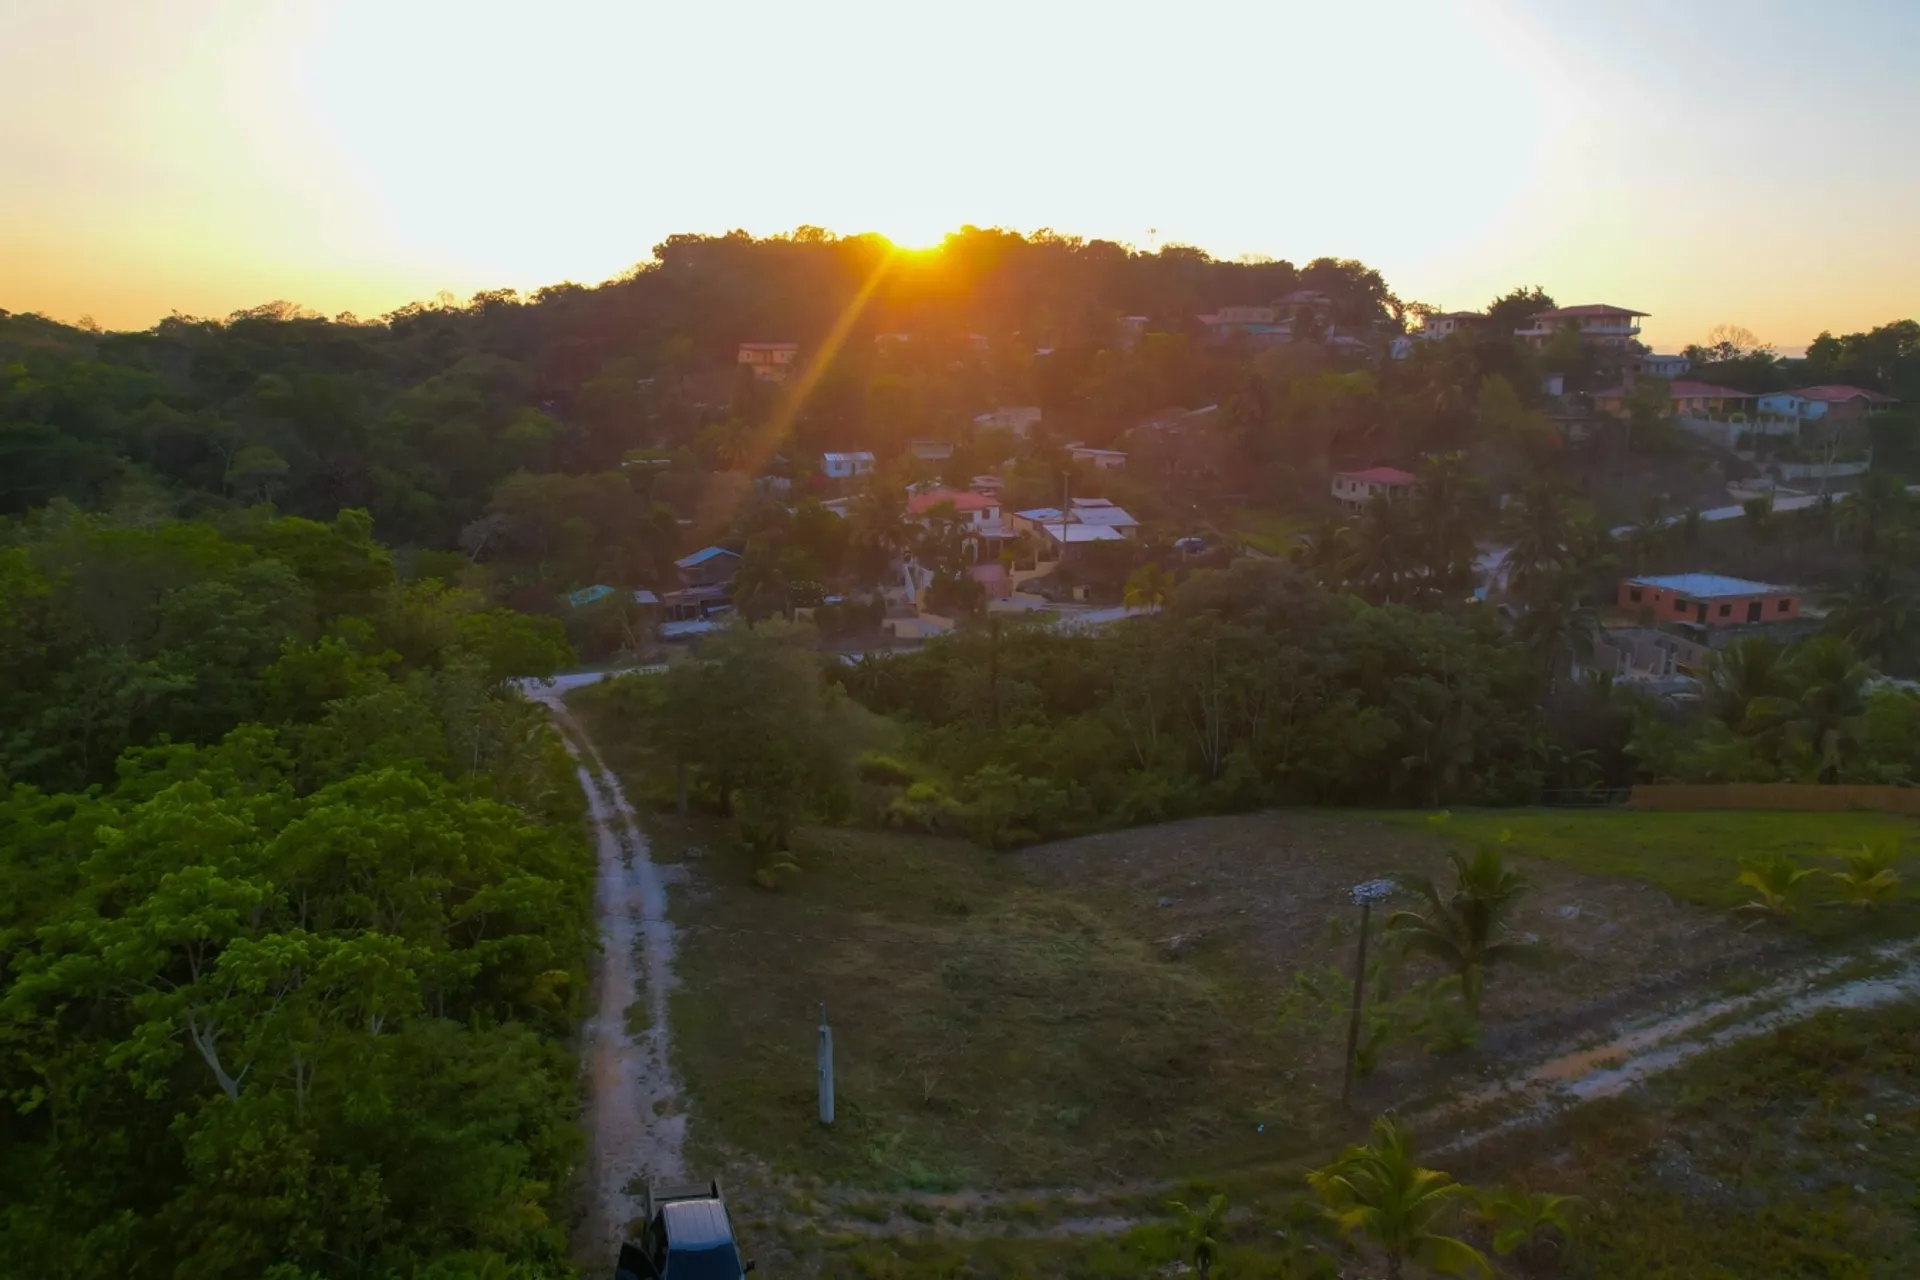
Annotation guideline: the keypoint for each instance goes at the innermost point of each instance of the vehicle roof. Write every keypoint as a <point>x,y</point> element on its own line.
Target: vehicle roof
<point>696,1224</point>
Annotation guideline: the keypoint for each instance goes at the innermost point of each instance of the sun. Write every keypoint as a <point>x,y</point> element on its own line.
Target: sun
<point>920,239</point>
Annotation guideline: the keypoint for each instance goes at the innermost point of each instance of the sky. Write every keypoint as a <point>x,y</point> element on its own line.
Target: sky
<point>1750,163</point>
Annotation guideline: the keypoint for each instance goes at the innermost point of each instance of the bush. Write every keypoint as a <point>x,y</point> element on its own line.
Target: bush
<point>884,770</point>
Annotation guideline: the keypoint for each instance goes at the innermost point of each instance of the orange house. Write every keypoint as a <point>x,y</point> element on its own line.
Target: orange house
<point>1709,599</point>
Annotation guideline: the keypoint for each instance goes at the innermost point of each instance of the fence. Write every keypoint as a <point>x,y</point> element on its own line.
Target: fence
<point>1777,795</point>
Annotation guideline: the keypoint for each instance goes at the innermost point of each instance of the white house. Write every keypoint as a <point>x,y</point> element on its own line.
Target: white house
<point>1663,366</point>
<point>930,450</point>
<point>844,466</point>
<point>1598,324</point>
<point>1353,490</point>
<point>978,509</point>
<point>1019,419</point>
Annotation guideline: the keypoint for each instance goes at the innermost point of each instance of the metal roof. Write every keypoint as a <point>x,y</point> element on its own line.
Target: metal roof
<point>1709,586</point>
<point>701,557</point>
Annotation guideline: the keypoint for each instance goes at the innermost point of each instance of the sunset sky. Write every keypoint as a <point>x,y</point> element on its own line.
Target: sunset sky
<point>1753,163</point>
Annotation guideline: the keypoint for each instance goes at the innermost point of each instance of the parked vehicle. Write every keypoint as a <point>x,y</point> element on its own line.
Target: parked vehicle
<point>688,1236</point>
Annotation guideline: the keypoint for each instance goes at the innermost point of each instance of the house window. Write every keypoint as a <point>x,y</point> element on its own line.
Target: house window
<point>1726,611</point>
<point>1634,595</point>
<point>1783,606</point>
<point>1679,605</point>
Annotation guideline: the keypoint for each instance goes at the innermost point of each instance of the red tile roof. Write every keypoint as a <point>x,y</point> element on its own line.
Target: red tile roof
<point>1835,393</point>
<point>921,503</point>
<point>1381,475</point>
<point>1589,309</point>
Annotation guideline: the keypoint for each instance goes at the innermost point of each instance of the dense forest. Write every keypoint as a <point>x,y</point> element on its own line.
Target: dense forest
<point>294,910</point>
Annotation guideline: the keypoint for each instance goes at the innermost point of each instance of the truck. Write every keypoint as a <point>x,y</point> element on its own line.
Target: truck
<point>688,1236</point>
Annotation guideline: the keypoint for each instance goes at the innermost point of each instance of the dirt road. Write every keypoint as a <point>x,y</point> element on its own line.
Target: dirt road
<point>636,1119</point>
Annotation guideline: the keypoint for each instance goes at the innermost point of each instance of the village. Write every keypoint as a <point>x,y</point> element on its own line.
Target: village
<point>1015,519</point>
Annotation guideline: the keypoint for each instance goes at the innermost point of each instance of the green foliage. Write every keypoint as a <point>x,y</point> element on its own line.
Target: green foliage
<point>1466,929</point>
<point>1869,880</point>
<point>293,912</point>
<point>1777,882</point>
<point>1527,1222</point>
<point>1198,1231</point>
<point>1379,1194</point>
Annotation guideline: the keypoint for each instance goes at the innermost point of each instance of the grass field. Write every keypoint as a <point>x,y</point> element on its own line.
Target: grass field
<point>1796,1155</point>
<point>1105,1014</point>
<point>1695,857</point>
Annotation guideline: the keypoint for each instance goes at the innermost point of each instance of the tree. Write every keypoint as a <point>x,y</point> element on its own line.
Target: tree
<point>1386,551</point>
<point>1148,588</point>
<point>1467,928</point>
<point>1869,880</point>
<point>1526,1223</point>
<point>1558,628</point>
<point>1197,1230</point>
<point>1879,503</point>
<point>1757,516</point>
<point>1879,617</point>
<point>1446,515</point>
<point>1379,1193</point>
<point>1747,671</point>
<point>1538,528</point>
<point>1325,553</point>
<point>1776,880</point>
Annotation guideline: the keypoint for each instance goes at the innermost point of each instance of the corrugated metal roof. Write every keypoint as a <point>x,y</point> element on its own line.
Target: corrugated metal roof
<point>701,557</point>
<point>1708,586</point>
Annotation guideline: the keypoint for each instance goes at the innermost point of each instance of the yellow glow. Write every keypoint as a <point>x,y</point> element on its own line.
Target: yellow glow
<point>208,155</point>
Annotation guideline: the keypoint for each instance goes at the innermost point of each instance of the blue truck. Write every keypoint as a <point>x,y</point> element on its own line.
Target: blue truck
<point>688,1236</point>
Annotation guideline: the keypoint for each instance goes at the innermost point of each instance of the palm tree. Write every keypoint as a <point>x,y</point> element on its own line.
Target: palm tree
<point>1822,713</point>
<point>1877,616</point>
<point>1878,503</point>
<point>1537,526</point>
<point>1869,880</point>
<point>1467,929</point>
<point>1384,550</point>
<point>1379,1193</point>
<point>1521,1221</point>
<point>1759,517</point>
<point>1742,674</point>
<point>1558,628</point>
<point>1196,1231</point>
<point>1148,588</point>
<point>1446,516</point>
<point>1777,882</point>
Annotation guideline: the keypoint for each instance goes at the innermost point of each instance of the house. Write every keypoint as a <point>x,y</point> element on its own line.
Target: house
<point>1102,459</point>
<point>980,510</point>
<point>839,506</point>
<point>1064,537</point>
<point>1102,512</point>
<point>1598,324</point>
<point>991,485</point>
<point>708,567</point>
<point>1843,403</point>
<point>845,466</point>
<point>1128,330</point>
<point>1653,366</point>
<point>1649,657</point>
<point>1259,326</point>
<point>930,450</point>
<point>1708,600</point>
<point>770,361</point>
<point>1689,399</point>
<point>1444,324</point>
<point>1019,419</point>
<point>1353,490</point>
